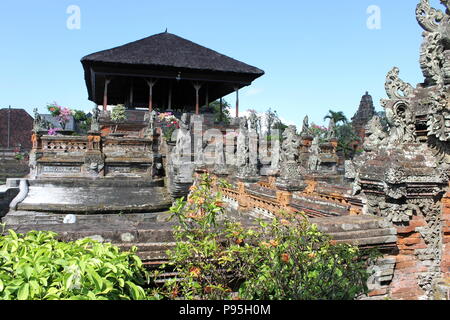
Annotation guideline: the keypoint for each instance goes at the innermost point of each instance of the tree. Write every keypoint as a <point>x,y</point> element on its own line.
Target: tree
<point>336,116</point>
<point>271,118</point>
<point>346,136</point>
<point>226,116</point>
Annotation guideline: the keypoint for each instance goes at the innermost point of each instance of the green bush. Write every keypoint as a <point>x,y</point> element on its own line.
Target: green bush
<point>36,266</point>
<point>287,258</point>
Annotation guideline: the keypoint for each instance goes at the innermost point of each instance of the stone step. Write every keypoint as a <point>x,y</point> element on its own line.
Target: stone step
<point>32,217</point>
<point>350,223</point>
<point>369,233</point>
<point>382,240</point>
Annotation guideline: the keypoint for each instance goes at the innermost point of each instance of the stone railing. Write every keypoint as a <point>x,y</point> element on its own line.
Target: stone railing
<point>91,156</point>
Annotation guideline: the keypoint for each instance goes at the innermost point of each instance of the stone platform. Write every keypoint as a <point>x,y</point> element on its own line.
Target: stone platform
<point>84,195</point>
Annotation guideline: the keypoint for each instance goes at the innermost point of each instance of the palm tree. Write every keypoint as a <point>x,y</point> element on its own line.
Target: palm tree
<point>336,116</point>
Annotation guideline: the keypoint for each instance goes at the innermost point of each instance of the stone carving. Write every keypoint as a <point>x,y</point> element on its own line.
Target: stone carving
<point>182,150</point>
<point>151,124</point>
<point>305,127</point>
<point>401,121</point>
<point>290,172</point>
<point>245,168</point>
<point>404,172</point>
<point>290,144</point>
<point>95,126</point>
<point>39,123</point>
<point>375,134</point>
<point>331,130</point>
<point>395,87</point>
<point>275,153</point>
<point>254,122</point>
<point>428,17</point>
<point>432,55</point>
<point>314,160</point>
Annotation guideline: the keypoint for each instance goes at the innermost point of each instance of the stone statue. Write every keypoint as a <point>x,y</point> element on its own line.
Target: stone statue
<point>254,122</point>
<point>290,168</point>
<point>375,134</point>
<point>182,150</point>
<point>242,155</point>
<point>39,123</point>
<point>151,124</point>
<point>246,168</point>
<point>95,126</point>
<point>314,161</point>
<point>331,130</point>
<point>290,144</point>
<point>305,127</point>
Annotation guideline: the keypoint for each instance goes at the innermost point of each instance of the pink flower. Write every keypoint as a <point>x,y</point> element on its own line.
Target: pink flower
<point>53,131</point>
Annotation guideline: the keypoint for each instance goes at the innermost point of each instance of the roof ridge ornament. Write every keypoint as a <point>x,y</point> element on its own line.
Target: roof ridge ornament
<point>395,87</point>
<point>428,17</point>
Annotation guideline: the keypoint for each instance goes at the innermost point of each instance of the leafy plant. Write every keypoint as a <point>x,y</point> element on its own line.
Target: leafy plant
<point>118,115</point>
<point>36,266</point>
<point>287,258</point>
<point>297,262</point>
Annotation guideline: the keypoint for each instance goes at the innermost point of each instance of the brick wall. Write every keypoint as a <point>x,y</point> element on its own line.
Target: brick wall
<point>445,264</point>
<point>21,125</point>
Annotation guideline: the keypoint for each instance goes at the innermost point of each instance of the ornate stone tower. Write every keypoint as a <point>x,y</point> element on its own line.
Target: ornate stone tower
<point>404,173</point>
<point>365,112</point>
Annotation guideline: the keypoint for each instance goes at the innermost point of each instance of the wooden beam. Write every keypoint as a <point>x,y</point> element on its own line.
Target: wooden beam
<point>197,87</point>
<point>150,83</point>
<point>237,101</point>
<point>105,94</point>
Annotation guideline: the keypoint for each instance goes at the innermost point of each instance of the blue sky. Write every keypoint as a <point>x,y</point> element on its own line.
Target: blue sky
<point>317,55</point>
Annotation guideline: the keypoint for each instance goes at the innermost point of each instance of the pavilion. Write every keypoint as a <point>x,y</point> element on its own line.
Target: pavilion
<point>164,71</point>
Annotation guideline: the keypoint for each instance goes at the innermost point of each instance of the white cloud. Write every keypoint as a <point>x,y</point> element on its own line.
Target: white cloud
<point>253,91</point>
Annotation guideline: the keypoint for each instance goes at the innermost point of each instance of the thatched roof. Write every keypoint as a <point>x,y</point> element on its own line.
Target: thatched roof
<point>169,50</point>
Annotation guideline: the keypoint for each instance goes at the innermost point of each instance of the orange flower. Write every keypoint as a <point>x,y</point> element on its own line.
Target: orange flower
<point>192,188</point>
<point>195,271</point>
<point>175,292</point>
<point>285,222</point>
<point>312,255</point>
<point>265,244</point>
<point>207,289</point>
<point>239,241</point>
<point>220,204</point>
<point>285,257</point>
<point>273,243</point>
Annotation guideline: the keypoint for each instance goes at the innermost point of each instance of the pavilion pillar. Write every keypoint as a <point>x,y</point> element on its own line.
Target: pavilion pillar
<point>131,94</point>
<point>150,83</point>
<point>105,94</point>
<point>169,103</point>
<point>221,110</point>
<point>207,98</point>
<point>197,87</point>
<point>237,101</point>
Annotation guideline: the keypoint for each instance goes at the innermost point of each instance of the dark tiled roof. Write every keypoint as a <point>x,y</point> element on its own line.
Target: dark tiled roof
<point>21,125</point>
<point>169,50</point>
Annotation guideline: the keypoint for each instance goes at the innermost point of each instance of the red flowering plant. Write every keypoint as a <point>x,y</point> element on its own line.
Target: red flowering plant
<point>169,123</point>
<point>61,113</point>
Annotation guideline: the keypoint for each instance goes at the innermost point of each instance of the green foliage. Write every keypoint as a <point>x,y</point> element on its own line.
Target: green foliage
<point>118,115</point>
<point>19,157</point>
<point>84,122</point>
<point>338,116</point>
<point>297,262</point>
<point>287,258</point>
<point>36,266</point>
<point>346,136</point>
<point>226,116</point>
